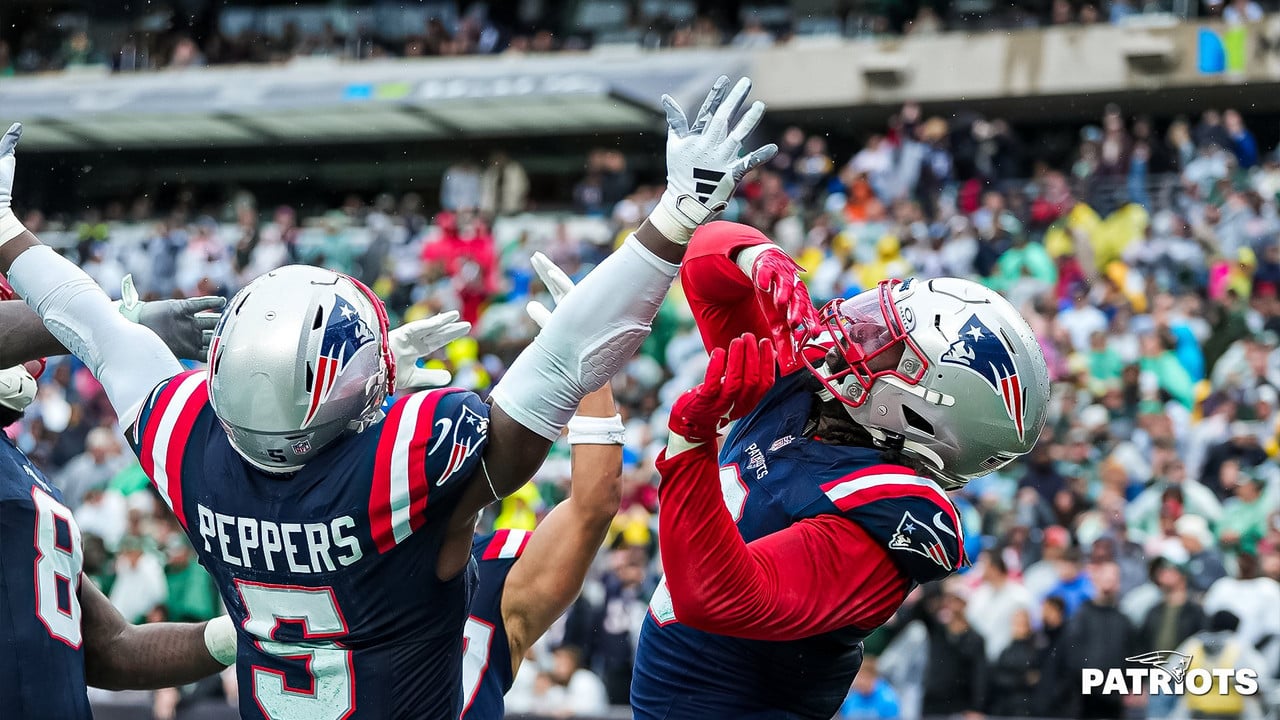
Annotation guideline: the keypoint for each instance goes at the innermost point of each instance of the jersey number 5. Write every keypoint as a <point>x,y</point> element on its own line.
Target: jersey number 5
<point>329,691</point>
<point>59,559</point>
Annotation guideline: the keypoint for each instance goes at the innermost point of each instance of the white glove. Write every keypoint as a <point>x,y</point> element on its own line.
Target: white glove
<point>557,283</point>
<point>10,227</point>
<point>703,163</point>
<point>418,339</point>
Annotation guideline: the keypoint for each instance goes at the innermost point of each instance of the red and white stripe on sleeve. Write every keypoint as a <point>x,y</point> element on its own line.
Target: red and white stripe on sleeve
<point>398,502</point>
<point>167,434</point>
<point>506,544</point>
<point>889,482</point>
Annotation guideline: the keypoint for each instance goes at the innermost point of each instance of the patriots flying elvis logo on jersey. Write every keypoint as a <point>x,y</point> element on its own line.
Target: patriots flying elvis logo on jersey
<point>464,434</point>
<point>985,353</point>
<point>344,334</point>
<point>917,537</point>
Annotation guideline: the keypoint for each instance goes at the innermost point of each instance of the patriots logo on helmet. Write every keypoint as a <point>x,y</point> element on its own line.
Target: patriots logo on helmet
<point>344,334</point>
<point>1172,661</point>
<point>985,353</point>
<point>917,537</point>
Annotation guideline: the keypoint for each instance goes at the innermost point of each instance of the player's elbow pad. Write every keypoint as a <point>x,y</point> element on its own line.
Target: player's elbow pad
<point>593,332</point>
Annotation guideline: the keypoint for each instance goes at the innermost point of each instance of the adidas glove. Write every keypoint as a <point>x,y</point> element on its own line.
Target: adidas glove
<point>704,159</point>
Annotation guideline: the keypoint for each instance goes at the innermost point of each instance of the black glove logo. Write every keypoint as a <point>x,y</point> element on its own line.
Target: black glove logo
<point>708,180</point>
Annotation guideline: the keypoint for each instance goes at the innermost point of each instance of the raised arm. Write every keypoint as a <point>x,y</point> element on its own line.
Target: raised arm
<point>599,326</point>
<point>739,282</point>
<point>121,656</point>
<point>547,578</point>
<point>183,325</point>
<point>129,360</point>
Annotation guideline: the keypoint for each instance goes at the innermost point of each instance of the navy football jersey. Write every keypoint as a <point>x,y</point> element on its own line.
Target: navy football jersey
<point>330,573</point>
<point>41,653</point>
<point>486,652</point>
<point>772,476</point>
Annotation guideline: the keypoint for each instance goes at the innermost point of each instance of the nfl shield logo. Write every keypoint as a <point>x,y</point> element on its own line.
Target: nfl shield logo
<point>302,447</point>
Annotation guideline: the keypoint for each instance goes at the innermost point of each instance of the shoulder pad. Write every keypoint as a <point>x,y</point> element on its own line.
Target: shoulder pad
<point>911,515</point>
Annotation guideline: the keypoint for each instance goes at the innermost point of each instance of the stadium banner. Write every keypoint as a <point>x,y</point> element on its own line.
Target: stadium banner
<point>317,97</point>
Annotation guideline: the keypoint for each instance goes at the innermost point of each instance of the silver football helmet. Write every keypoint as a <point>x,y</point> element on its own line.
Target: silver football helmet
<point>299,357</point>
<point>945,369</point>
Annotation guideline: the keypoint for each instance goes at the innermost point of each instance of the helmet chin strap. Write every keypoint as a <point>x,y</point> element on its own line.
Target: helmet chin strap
<point>369,419</point>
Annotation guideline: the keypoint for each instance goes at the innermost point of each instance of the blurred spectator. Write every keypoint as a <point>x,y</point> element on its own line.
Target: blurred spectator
<point>1171,494</point>
<point>92,469</point>
<point>1015,673</point>
<point>1204,560</point>
<point>1244,516</point>
<point>1098,635</point>
<point>140,585</point>
<point>78,51</point>
<point>753,35</point>
<point>568,689</point>
<point>1252,598</point>
<point>103,513</point>
<point>1221,648</point>
<point>6,60</point>
<point>504,187</point>
<point>993,604</point>
<point>1177,616</point>
<point>460,189</point>
<point>956,679</point>
<point>1054,695</point>
<point>1242,11</point>
<point>870,697</point>
<point>617,620</point>
<point>186,54</point>
<point>1074,587</point>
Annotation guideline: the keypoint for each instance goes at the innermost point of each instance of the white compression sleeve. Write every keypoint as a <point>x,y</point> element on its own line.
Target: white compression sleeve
<point>593,332</point>
<point>129,360</point>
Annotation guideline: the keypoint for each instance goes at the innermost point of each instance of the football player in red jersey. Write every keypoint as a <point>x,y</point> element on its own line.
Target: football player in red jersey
<point>826,504</point>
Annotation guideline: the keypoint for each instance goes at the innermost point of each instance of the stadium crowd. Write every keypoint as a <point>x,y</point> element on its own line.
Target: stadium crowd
<point>163,38</point>
<point>1148,518</point>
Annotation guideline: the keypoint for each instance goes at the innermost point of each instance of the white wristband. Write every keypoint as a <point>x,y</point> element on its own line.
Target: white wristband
<point>220,639</point>
<point>10,227</point>
<point>596,430</point>
<point>677,217</point>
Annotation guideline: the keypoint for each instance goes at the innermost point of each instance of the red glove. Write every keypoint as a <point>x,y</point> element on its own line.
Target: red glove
<point>785,301</point>
<point>736,381</point>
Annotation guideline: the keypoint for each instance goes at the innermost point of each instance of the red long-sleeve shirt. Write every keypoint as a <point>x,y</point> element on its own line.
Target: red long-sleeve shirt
<point>818,575</point>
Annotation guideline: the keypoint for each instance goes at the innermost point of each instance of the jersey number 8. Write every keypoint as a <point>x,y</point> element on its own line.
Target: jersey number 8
<point>59,559</point>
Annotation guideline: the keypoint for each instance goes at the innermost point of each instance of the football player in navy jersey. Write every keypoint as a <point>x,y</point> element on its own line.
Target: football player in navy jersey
<point>528,579</point>
<point>339,536</point>
<point>826,504</point>
<point>58,631</point>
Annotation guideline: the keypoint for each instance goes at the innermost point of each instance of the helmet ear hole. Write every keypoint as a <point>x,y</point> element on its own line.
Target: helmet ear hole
<point>916,421</point>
